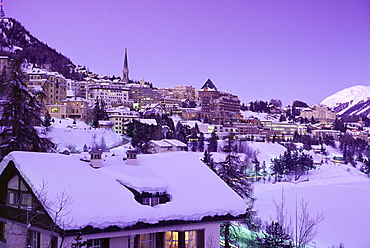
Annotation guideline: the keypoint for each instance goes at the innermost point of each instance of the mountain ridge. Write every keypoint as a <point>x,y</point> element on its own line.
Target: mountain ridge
<point>350,101</point>
<point>16,40</point>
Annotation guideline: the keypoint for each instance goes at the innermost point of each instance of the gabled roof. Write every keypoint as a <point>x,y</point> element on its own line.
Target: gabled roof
<point>175,142</point>
<point>100,199</point>
<point>209,85</point>
<point>161,143</point>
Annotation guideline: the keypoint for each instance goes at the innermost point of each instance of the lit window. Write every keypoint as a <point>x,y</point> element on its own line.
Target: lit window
<point>188,238</point>
<point>2,231</point>
<point>172,239</point>
<point>146,240</point>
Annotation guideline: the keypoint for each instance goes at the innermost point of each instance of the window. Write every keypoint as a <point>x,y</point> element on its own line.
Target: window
<point>151,201</point>
<point>17,193</point>
<point>172,239</point>
<point>146,240</point>
<point>98,243</point>
<point>33,239</point>
<point>55,110</point>
<point>187,239</point>
<point>95,243</point>
<point>54,242</point>
<point>2,231</point>
<point>191,239</point>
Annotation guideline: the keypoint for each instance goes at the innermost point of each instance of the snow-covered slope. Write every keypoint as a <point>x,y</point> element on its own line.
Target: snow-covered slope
<point>65,134</point>
<point>339,191</point>
<point>354,100</point>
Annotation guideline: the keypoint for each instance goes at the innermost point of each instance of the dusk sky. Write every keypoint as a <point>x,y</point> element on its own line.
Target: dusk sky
<point>259,50</point>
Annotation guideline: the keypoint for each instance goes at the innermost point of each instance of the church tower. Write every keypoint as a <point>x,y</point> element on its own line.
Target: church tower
<point>125,78</point>
<point>2,12</point>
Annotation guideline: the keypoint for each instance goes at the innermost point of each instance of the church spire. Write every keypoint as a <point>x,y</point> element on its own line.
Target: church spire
<point>2,12</point>
<point>125,78</point>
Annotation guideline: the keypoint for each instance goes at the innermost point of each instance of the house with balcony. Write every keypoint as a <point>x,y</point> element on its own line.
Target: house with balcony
<point>152,200</point>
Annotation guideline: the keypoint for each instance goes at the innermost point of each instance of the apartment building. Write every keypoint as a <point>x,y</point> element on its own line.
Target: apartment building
<point>225,107</point>
<point>52,83</point>
<point>120,117</point>
<point>143,95</point>
<point>320,113</point>
<point>184,92</point>
<point>113,94</point>
<point>76,108</point>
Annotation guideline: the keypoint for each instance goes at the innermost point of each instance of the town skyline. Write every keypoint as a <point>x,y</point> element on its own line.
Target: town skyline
<point>259,51</point>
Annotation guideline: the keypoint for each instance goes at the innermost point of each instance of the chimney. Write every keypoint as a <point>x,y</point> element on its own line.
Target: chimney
<point>131,157</point>
<point>95,158</point>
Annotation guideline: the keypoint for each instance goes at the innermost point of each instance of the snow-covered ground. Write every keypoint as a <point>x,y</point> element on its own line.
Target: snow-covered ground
<point>341,192</point>
<point>68,135</point>
<point>352,95</point>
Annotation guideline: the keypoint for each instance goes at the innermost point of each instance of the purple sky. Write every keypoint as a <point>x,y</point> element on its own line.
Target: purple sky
<point>288,50</point>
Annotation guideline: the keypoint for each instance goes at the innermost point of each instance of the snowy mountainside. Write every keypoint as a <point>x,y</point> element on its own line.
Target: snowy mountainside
<point>15,37</point>
<point>354,100</point>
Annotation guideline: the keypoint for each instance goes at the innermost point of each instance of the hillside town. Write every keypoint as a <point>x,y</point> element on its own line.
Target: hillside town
<point>125,100</point>
<point>89,160</point>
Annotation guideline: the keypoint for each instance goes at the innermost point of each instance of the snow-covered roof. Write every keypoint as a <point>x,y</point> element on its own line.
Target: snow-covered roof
<point>175,142</point>
<point>148,121</point>
<point>161,143</point>
<point>99,199</point>
<point>250,114</point>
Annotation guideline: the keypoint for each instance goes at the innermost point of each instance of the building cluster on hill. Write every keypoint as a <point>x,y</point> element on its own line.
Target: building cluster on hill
<point>125,100</point>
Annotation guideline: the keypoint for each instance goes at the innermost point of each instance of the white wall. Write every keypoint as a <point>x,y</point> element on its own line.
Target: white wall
<point>121,239</point>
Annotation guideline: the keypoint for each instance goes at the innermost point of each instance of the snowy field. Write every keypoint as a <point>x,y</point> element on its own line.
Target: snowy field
<point>68,135</point>
<point>341,192</point>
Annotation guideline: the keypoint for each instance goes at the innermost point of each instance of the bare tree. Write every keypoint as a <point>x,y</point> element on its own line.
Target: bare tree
<point>33,214</point>
<point>282,216</point>
<point>58,211</point>
<point>307,225</point>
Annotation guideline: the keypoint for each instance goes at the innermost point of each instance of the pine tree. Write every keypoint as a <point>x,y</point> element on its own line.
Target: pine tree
<point>208,160</point>
<point>21,113</point>
<point>103,115</point>
<point>366,168</point>
<point>275,237</point>
<point>232,172</point>
<point>201,142</point>
<point>96,114</point>
<point>212,142</point>
<point>47,120</point>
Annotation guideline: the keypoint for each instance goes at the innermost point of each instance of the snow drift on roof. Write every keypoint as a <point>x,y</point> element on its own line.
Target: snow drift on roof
<point>99,199</point>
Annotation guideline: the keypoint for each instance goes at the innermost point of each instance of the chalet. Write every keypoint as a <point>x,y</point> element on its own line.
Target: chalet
<point>153,200</point>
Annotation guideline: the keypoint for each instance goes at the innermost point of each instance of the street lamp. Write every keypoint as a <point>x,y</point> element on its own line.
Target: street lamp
<point>296,209</point>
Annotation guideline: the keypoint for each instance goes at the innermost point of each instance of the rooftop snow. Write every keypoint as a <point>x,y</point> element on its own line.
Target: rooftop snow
<point>99,199</point>
<point>148,121</point>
